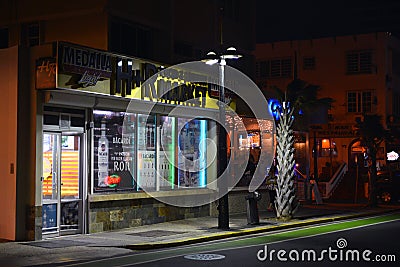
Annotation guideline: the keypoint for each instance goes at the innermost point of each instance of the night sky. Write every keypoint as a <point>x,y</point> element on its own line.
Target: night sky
<point>285,20</point>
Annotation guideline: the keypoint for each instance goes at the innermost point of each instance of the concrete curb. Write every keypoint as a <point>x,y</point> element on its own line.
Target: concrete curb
<point>219,236</point>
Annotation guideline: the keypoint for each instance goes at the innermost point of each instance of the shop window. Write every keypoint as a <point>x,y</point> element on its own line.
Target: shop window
<point>327,148</point>
<point>251,140</point>
<point>300,153</point>
<point>170,153</point>
<point>146,152</point>
<point>166,128</point>
<point>192,154</point>
<point>114,153</point>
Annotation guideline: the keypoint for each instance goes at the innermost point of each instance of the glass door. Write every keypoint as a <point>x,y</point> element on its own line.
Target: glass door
<point>61,187</point>
<point>50,182</point>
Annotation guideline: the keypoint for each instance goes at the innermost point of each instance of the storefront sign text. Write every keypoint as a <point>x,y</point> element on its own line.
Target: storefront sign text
<point>79,60</point>
<point>333,130</point>
<point>103,72</point>
<point>46,73</point>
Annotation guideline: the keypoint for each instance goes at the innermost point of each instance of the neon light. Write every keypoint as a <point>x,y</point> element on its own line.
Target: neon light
<point>139,166</point>
<point>203,153</point>
<point>274,108</point>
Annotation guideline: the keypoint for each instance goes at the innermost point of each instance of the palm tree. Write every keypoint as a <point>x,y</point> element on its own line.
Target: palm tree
<point>294,103</point>
<point>372,134</point>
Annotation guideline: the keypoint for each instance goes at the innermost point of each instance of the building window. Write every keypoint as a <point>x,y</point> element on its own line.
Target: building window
<point>133,40</point>
<point>31,34</point>
<point>359,101</point>
<point>309,63</point>
<point>359,62</point>
<point>274,68</point>
<point>3,38</point>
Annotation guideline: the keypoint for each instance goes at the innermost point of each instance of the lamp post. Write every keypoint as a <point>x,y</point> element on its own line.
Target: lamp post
<point>211,59</point>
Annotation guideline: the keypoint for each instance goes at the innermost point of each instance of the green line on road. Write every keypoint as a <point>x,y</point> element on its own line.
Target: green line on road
<point>243,242</point>
<point>314,230</point>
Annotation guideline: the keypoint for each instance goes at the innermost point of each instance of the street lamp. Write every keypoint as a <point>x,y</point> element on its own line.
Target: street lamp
<point>211,59</point>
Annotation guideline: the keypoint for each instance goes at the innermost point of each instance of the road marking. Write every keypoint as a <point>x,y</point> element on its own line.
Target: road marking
<point>280,236</point>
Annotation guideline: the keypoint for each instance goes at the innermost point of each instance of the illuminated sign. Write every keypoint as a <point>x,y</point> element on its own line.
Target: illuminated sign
<point>81,60</point>
<point>96,71</point>
<point>392,156</point>
<point>46,73</point>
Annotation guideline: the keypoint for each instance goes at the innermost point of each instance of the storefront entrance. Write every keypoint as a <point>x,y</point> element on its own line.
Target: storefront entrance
<point>62,205</point>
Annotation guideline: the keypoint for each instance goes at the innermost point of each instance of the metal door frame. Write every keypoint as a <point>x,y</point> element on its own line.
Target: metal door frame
<point>82,190</point>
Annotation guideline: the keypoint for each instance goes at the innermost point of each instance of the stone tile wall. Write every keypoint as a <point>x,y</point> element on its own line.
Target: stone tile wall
<point>120,214</point>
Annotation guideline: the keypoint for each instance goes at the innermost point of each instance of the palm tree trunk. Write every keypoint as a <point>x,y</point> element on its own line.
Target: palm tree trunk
<point>286,202</point>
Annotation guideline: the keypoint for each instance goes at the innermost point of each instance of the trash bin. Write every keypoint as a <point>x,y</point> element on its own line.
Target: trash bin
<point>252,208</point>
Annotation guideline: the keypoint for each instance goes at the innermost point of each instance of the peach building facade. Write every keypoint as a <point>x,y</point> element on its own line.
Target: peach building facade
<point>361,73</point>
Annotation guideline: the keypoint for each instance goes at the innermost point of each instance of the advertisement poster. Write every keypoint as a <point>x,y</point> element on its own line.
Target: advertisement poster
<point>114,151</point>
<point>191,158</point>
<point>49,213</point>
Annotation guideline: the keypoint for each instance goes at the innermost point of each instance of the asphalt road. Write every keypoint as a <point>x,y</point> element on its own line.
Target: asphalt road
<point>359,242</point>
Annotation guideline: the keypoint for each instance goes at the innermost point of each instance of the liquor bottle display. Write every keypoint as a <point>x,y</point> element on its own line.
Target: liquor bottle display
<point>102,161</point>
<point>146,152</point>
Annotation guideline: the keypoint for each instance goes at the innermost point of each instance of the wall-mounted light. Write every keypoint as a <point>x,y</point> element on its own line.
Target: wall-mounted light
<point>326,143</point>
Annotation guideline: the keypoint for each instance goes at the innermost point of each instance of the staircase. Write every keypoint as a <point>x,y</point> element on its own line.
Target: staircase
<point>69,174</point>
<point>326,188</point>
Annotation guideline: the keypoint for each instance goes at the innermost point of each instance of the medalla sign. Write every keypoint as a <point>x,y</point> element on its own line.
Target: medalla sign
<point>90,70</point>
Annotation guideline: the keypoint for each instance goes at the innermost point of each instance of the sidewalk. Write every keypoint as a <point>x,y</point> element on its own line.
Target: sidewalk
<point>68,249</point>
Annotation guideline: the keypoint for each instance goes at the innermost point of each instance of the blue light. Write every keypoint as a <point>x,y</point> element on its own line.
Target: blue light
<point>274,108</point>
<point>203,151</point>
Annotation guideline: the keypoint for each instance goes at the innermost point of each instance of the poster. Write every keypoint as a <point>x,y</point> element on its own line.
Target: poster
<point>191,152</point>
<point>114,149</point>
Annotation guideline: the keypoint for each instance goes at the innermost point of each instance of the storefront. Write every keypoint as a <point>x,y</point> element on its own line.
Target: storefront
<point>338,143</point>
<point>115,149</point>
<point>106,161</point>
